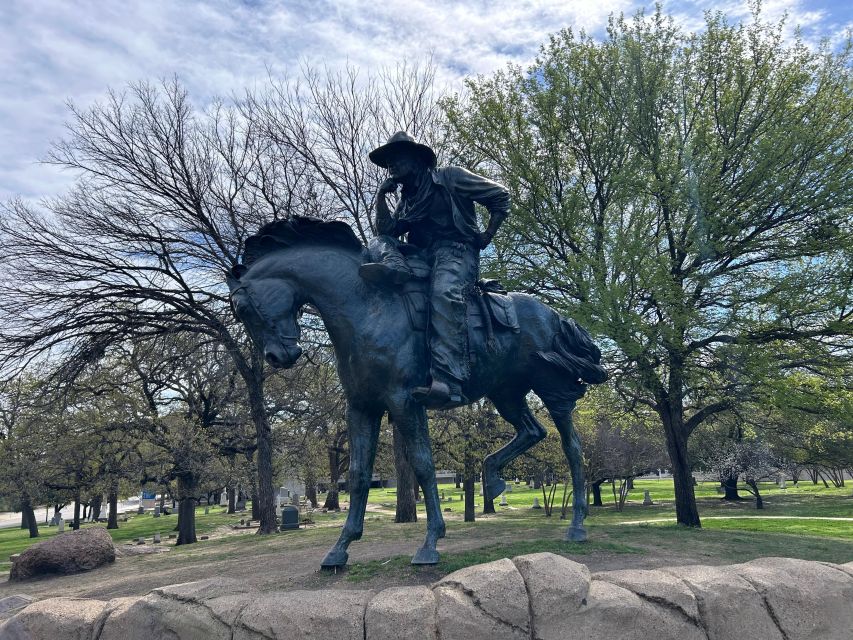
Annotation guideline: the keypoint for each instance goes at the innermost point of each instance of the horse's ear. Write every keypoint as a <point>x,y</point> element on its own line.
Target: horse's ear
<point>238,270</point>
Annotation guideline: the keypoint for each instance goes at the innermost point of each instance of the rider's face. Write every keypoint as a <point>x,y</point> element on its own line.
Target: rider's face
<point>403,166</point>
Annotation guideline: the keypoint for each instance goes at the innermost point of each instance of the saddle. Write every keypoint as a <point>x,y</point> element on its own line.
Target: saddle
<point>489,305</point>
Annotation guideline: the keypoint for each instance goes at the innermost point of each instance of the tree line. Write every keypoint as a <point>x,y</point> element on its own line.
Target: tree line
<point>684,196</point>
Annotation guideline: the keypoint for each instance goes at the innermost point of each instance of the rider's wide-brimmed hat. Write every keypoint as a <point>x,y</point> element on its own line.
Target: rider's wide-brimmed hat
<point>401,141</point>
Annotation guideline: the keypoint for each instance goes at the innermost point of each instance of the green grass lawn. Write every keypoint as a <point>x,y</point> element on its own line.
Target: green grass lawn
<point>518,529</point>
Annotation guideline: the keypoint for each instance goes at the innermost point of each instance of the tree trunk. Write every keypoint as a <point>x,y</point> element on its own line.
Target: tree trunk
<point>488,505</point>
<point>75,524</point>
<point>112,517</point>
<point>232,499</point>
<point>686,512</point>
<point>256,511</point>
<point>25,522</point>
<point>596,494</point>
<point>468,480</point>
<point>407,510</point>
<point>311,486</point>
<point>332,496</point>
<point>458,479</point>
<point>95,506</point>
<point>258,410</point>
<point>186,510</point>
<point>29,515</point>
<point>729,485</point>
<point>630,486</point>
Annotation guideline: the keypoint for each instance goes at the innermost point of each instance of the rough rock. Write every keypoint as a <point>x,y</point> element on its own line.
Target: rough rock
<point>66,618</point>
<point>70,552</point>
<point>729,605</point>
<point>557,588</point>
<point>612,611</point>
<point>10,604</point>
<point>304,614</point>
<point>202,610</point>
<point>656,587</point>
<point>807,600</point>
<point>402,613</point>
<point>484,601</point>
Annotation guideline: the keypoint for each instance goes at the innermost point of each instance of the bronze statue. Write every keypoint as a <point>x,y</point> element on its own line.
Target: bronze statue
<point>381,357</point>
<point>436,211</point>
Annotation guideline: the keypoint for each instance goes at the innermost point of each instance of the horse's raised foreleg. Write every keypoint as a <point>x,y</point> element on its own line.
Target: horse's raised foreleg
<point>561,412</point>
<point>411,419</point>
<point>363,428</point>
<point>513,408</point>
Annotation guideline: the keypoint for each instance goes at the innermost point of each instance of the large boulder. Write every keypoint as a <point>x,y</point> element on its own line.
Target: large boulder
<point>70,552</point>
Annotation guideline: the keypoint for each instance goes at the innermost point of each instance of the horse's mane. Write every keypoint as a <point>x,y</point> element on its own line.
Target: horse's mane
<point>299,230</point>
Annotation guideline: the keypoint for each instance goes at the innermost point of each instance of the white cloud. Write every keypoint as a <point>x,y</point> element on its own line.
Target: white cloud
<point>55,50</point>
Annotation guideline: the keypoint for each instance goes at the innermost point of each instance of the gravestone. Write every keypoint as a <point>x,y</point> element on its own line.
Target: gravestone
<point>206,510</point>
<point>60,525</point>
<point>782,484</point>
<point>509,488</point>
<point>157,511</point>
<point>294,500</point>
<point>223,498</point>
<point>241,504</point>
<point>140,510</point>
<point>157,538</point>
<point>647,499</point>
<point>289,518</point>
<point>536,504</point>
<point>503,500</point>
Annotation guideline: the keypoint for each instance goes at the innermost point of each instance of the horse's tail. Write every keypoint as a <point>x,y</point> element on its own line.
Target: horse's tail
<point>574,352</point>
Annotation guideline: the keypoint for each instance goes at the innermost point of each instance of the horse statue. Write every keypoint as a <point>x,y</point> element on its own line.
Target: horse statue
<point>380,358</point>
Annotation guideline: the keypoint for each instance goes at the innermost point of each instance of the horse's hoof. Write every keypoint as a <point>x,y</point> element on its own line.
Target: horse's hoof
<point>576,534</point>
<point>494,488</point>
<point>425,556</point>
<point>335,559</point>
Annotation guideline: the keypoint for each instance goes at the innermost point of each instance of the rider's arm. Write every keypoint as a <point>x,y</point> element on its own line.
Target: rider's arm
<point>387,223</point>
<point>488,193</point>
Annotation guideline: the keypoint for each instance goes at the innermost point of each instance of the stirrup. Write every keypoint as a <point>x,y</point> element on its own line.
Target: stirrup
<point>381,273</point>
<point>439,396</point>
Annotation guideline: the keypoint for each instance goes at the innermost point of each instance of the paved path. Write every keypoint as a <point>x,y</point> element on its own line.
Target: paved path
<point>656,520</point>
<point>12,519</point>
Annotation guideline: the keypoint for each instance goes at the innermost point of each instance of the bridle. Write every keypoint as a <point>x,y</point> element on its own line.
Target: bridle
<point>286,339</point>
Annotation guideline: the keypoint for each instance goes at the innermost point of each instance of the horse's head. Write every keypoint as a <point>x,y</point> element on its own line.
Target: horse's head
<point>268,307</point>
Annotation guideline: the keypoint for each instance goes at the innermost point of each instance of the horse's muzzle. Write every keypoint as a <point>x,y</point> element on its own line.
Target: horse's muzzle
<point>282,356</point>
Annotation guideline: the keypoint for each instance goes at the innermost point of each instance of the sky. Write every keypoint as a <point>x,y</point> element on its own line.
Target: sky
<point>53,52</point>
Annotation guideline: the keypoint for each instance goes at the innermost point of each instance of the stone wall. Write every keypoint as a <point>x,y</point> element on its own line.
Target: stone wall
<point>538,596</point>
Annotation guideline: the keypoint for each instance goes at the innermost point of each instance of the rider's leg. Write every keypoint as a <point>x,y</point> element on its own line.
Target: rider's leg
<point>455,268</point>
<point>387,265</point>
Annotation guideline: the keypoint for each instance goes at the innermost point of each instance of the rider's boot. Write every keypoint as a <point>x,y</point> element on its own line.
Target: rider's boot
<point>391,270</point>
<point>440,395</point>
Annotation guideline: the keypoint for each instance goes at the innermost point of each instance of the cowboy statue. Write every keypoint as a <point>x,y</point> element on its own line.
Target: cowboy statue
<point>436,212</point>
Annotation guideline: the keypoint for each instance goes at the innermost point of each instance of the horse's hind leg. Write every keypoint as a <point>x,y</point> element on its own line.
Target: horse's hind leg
<point>560,405</point>
<point>513,408</point>
<point>411,419</point>
<point>363,436</point>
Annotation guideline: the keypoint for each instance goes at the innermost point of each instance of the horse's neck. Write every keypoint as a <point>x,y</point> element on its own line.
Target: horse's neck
<point>328,279</point>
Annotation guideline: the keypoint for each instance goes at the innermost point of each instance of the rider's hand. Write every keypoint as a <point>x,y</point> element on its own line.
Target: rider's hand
<point>483,239</point>
<point>389,186</point>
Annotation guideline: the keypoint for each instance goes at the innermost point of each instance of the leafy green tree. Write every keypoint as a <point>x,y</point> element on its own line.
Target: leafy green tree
<point>685,196</point>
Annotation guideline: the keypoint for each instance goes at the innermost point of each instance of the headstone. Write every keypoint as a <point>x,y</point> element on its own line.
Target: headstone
<point>172,536</point>
<point>647,499</point>
<point>205,537</point>
<point>206,510</point>
<point>782,483</point>
<point>241,504</point>
<point>294,500</point>
<point>442,496</point>
<point>55,519</point>
<point>448,510</point>
<point>140,541</point>
<point>509,488</point>
<point>60,525</point>
<point>223,498</point>
<point>481,489</point>
<point>157,511</point>
<point>140,510</point>
<point>157,538</point>
<point>536,504</point>
<point>289,518</point>
<point>503,500</point>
